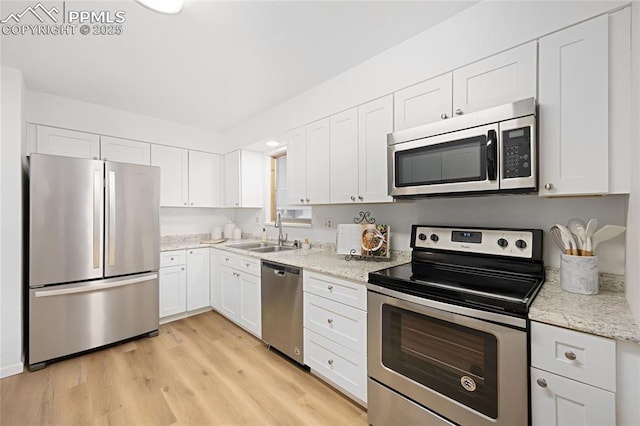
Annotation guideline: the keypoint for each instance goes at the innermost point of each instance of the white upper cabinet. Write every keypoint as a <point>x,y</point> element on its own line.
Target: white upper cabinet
<point>361,133</point>
<point>318,160</point>
<point>174,174</point>
<point>375,121</point>
<point>70,143</point>
<point>573,110</point>
<point>242,179</point>
<point>125,150</point>
<point>344,152</point>
<point>296,165</point>
<point>423,103</point>
<point>499,79</point>
<point>205,179</point>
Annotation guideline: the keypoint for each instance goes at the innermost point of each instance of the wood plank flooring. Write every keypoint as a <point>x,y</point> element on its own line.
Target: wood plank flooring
<point>201,370</point>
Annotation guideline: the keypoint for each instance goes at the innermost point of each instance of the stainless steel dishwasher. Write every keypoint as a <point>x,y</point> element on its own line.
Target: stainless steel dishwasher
<point>282,309</point>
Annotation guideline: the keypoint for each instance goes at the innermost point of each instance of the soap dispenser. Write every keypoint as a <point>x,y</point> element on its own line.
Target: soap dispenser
<point>264,235</point>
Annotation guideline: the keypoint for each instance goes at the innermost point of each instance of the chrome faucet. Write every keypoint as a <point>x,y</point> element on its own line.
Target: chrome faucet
<point>278,224</point>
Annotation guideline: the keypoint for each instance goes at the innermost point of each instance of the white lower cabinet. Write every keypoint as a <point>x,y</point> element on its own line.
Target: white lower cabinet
<point>236,279</point>
<point>335,332</point>
<point>184,281</point>
<point>573,377</point>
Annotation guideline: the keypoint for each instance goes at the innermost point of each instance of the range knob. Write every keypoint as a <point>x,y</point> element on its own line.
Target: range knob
<point>521,244</point>
<point>434,238</point>
<point>503,243</point>
<point>422,237</point>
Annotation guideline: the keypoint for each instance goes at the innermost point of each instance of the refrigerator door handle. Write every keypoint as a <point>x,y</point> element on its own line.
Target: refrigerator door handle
<point>112,219</point>
<point>88,287</point>
<point>97,218</point>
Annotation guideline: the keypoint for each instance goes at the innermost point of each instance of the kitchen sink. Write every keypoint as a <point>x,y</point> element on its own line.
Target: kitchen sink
<point>271,249</point>
<point>254,245</point>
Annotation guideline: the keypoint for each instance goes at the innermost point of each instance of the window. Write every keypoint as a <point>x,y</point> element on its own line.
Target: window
<point>279,200</point>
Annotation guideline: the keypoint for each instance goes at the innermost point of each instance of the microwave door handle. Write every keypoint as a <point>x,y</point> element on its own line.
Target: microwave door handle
<point>492,155</point>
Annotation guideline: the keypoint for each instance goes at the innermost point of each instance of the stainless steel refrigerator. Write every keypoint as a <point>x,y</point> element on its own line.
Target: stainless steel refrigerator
<point>94,237</point>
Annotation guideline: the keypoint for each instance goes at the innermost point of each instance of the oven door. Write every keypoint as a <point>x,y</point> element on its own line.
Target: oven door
<point>462,161</point>
<point>468,370</point>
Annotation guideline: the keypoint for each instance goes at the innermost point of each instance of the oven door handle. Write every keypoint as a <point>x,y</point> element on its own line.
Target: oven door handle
<point>492,154</point>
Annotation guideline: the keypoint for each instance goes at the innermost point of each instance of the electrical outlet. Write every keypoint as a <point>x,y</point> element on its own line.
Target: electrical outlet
<point>328,222</point>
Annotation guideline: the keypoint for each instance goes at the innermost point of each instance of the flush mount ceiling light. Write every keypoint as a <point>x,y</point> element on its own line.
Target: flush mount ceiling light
<point>163,6</point>
<point>272,143</point>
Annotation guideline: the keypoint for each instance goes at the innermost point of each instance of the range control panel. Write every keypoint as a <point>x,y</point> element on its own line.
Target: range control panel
<point>486,241</point>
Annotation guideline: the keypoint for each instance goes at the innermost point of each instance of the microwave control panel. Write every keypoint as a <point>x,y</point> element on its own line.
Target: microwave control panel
<point>516,153</point>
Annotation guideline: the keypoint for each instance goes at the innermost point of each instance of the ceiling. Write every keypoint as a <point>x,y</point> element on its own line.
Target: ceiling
<point>217,63</point>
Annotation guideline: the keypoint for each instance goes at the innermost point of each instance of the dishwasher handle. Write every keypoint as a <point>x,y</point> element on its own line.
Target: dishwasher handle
<point>280,269</point>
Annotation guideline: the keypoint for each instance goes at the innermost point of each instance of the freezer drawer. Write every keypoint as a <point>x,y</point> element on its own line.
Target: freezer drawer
<point>65,319</point>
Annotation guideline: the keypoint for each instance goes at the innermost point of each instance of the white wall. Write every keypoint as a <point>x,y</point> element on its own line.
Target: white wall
<point>12,137</point>
<point>633,219</point>
<point>495,25</point>
<point>57,111</point>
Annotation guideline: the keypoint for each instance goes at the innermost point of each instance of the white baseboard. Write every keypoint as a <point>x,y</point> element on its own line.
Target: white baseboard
<point>11,370</point>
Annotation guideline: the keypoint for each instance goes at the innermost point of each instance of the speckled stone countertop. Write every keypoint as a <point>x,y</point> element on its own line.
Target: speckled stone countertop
<point>605,314</point>
<point>321,259</point>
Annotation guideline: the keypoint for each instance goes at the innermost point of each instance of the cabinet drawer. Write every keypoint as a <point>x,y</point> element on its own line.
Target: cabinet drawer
<point>338,365</point>
<point>342,324</point>
<point>579,356</point>
<point>556,400</point>
<point>348,292</point>
<point>173,258</point>
<point>229,259</point>
<point>250,265</point>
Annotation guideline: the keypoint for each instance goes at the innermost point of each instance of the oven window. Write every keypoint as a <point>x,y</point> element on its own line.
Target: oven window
<point>463,160</point>
<point>452,359</point>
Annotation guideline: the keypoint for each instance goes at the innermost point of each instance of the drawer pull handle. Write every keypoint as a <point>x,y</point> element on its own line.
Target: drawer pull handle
<point>541,382</point>
<point>330,321</point>
<point>330,362</point>
<point>172,258</point>
<point>330,287</point>
<point>570,355</point>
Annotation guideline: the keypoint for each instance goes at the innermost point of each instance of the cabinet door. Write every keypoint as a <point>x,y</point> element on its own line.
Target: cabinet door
<point>556,400</point>
<point>205,179</point>
<point>251,178</point>
<point>496,80</point>
<point>250,316</point>
<point>232,179</point>
<point>230,293</point>
<point>318,162</point>
<point>215,278</point>
<point>573,110</point>
<point>173,290</point>
<point>344,150</point>
<point>54,141</point>
<point>375,121</point>
<point>125,150</point>
<point>197,278</point>
<point>174,174</point>
<point>423,103</point>
<point>296,165</point>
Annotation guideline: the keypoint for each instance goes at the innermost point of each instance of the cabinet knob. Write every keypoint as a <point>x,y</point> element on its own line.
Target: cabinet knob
<point>247,264</point>
<point>226,259</point>
<point>541,382</point>
<point>185,204</point>
<point>353,198</point>
<point>105,158</point>
<point>302,200</point>
<point>360,197</point>
<point>172,258</point>
<point>191,203</point>
<point>237,204</point>
<point>182,269</point>
<point>548,186</point>
<point>570,356</point>
<point>330,287</point>
<point>444,116</point>
<point>330,362</point>
<point>330,321</point>
<point>458,111</point>
<point>95,158</point>
<point>308,200</point>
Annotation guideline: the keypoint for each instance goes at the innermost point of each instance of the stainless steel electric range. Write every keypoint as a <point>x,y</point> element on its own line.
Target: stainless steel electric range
<point>448,332</point>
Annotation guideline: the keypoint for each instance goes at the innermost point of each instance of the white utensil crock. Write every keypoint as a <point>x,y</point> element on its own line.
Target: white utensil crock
<point>579,274</point>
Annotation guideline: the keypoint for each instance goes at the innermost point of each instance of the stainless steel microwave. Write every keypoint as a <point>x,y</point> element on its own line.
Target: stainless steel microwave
<point>489,151</point>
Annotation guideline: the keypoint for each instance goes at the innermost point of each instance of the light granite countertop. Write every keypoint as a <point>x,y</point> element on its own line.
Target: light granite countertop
<point>319,259</point>
<point>605,314</point>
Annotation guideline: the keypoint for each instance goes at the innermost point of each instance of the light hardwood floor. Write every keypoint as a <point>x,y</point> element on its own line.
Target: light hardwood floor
<point>200,370</point>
